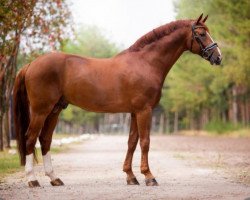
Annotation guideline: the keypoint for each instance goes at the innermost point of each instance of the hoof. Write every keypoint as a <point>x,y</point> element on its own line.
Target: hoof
<point>56,182</point>
<point>151,182</point>
<point>132,181</point>
<point>33,184</point>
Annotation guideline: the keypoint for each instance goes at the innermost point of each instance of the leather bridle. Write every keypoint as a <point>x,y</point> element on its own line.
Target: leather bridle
<point>205,50</point>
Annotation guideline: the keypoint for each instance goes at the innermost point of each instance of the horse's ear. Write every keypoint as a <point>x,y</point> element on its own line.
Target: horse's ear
<point>205,19</point>
<point>199,19</point>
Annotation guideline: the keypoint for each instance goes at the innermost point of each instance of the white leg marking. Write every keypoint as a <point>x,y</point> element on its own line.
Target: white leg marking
<point>48,167</point>
<point>29,168</point>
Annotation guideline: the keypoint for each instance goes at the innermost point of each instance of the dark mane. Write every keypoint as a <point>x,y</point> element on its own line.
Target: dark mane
<point>158,33</point>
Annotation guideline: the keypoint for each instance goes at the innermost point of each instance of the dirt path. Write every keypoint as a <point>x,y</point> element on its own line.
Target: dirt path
<point>93,170</point>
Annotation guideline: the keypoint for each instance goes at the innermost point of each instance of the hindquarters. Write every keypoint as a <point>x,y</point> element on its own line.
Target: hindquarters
<point>36,93</point>
<point>43,83</point>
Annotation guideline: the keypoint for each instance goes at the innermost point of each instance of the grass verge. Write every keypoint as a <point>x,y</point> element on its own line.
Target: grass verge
<point>238,133</point>
<point>10,163</point>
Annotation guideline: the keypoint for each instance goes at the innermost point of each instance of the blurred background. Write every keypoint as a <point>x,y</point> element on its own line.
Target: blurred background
<point>197,98</point>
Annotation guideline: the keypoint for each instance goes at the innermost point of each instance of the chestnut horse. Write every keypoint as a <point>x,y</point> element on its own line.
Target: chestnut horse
<point>128,82</point>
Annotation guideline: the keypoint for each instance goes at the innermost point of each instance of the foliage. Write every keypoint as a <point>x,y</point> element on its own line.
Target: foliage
<point>193,87</point>
<point>229,23</point>
<point>8,163</point>
<point>90,41</point>
<point>38,24</point>
<point>220,127</point>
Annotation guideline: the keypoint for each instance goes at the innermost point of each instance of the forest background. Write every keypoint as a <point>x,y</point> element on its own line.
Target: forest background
<point>195,96</point>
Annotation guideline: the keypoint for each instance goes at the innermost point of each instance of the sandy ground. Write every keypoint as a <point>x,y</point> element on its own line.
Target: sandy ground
<point>185,167</point>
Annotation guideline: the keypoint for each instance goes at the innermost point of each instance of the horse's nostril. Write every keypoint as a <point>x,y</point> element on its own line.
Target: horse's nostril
<point>218,60</point>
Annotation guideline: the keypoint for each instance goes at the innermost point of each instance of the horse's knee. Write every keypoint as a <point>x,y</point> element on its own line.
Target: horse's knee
<point>132,147</point>
<point>145,145</point>
<point>126,168</point>
<point>132,143</point>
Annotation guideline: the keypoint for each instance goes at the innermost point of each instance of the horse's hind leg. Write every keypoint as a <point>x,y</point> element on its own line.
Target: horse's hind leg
<point>45,139</point>
<point>132,142</point>
<point>35,126</point>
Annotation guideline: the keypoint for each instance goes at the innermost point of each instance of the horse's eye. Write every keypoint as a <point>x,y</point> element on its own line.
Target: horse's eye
<point>203,34</point>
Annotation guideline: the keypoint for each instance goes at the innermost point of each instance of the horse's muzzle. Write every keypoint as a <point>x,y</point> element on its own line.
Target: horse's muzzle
<point>218,60</point>
<point>215,60</point>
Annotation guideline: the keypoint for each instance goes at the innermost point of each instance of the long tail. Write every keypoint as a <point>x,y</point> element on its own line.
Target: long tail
<point>21,113</point>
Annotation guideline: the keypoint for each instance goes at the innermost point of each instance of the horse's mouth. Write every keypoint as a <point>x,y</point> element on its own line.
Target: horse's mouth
<point>216,61</point>
<point>213,60</point>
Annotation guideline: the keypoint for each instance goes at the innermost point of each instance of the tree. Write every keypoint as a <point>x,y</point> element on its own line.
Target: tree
<point>201,93</point>
<point>29,25</point>
<point>90,41</point>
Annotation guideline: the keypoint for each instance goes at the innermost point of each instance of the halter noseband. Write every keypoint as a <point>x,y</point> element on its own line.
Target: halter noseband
<point>204,49</point>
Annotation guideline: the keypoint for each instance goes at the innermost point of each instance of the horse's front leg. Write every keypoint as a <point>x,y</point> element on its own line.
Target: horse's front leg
<point>144,119</point>
<point>132,142</point>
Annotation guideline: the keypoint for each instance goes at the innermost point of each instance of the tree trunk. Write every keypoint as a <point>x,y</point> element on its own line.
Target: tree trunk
<point>247,111</point>
<point>234,105</point>
<point>96,124</point>
<point>2,72</point>
<point>176,121</point>
<point>6,130</point>
<point>1,132</point>
<point>191,119</point>
<point>242,113</point>
<point>161,124</point>
<point>167,127</point>
<point>204,118</point>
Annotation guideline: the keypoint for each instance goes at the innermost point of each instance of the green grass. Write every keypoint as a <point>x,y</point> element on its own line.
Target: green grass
<point>220,127</point>
<point>10,163</point>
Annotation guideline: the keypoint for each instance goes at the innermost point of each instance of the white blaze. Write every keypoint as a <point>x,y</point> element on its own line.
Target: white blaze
<point>48,167</point>
<point>213,42</point>
<point>29,169</point>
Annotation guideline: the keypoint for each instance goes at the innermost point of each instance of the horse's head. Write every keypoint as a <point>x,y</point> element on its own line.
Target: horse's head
<point>201,42</point>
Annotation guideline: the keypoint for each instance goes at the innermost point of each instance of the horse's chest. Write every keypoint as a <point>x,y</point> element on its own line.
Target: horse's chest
<point>146,96</point>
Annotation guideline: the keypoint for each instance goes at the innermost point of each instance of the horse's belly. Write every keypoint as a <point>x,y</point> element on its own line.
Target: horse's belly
<point>97,98</point>
<point>110,99</point>
<point>98,103</point>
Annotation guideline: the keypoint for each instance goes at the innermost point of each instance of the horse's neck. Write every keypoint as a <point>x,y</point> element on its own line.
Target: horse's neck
<point>165,52</point>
